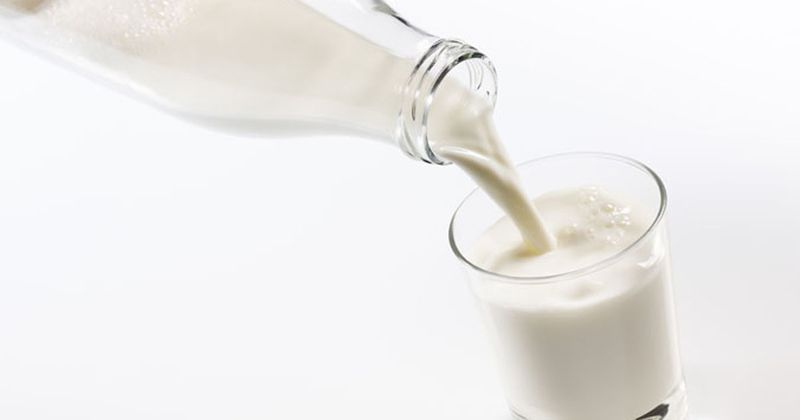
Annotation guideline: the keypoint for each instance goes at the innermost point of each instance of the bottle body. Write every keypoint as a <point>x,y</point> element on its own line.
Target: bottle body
<point>265,67</point>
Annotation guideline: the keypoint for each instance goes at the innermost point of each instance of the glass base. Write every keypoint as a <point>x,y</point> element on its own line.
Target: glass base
<point>674,407</point>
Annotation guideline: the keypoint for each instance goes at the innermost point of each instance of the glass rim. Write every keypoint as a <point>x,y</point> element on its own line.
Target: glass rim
<point>581,271</point>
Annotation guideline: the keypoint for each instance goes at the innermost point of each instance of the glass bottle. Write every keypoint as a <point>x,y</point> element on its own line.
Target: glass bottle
<point>262,67</point>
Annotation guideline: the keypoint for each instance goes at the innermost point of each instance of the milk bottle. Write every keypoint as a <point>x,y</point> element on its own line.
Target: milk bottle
<point>286,67</point>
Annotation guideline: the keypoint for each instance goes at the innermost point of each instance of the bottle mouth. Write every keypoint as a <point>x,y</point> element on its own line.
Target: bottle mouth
<point>476,73</point>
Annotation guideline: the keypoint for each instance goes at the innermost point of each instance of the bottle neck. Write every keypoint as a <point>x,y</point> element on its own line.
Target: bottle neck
<point>445,59</point>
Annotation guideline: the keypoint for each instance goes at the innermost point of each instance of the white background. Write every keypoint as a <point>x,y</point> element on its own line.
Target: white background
<point>152,269</point>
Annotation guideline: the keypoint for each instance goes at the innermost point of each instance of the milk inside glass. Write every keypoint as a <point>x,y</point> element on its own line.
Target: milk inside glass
<point>587,330</point>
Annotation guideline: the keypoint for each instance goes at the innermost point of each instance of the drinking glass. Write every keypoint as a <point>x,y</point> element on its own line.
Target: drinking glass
<point>597,342</point>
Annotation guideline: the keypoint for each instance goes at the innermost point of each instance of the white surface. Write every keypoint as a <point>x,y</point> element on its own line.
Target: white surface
<point>152,269</point>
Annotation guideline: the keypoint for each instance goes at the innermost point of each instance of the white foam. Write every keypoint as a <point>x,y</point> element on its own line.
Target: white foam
<point>129,25</point>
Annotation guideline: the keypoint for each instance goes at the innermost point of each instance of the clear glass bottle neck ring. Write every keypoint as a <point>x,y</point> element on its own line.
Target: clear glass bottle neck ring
<point>431,69</point>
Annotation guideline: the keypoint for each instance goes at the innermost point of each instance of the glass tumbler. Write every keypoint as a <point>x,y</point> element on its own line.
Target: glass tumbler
<point>594,343</point>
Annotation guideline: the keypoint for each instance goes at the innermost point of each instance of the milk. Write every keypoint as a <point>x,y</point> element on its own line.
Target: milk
<point>251,66</point>
<point>462,130</point>
<point>602,346</point>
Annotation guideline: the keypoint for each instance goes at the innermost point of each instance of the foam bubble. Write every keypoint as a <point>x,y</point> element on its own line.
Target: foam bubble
<point>600,218</point>
<point>130,25</point>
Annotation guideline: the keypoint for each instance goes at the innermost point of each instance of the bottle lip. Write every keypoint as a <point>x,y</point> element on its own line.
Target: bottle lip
<point>442,57</point>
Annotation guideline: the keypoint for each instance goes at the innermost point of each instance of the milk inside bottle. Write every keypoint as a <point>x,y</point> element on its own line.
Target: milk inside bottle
<point>283,66</point>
